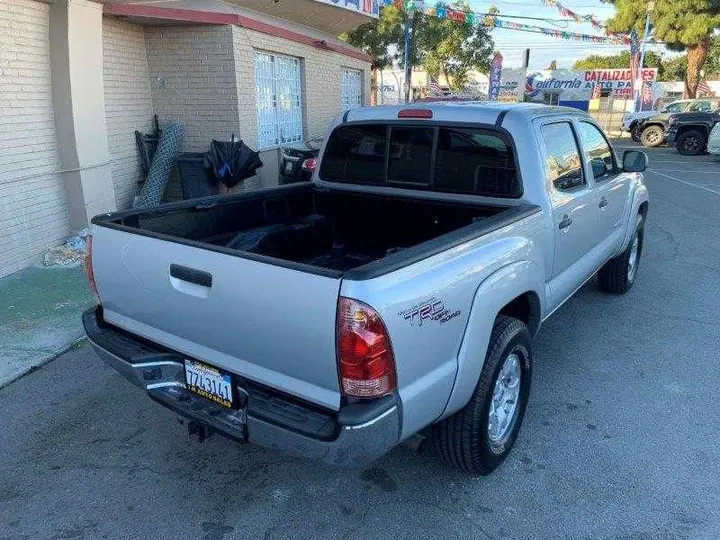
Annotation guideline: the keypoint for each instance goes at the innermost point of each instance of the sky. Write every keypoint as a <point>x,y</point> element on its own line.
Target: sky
<point>544,49</point>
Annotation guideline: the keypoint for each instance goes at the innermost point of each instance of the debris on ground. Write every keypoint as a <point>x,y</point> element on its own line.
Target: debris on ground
<point>71,253</point>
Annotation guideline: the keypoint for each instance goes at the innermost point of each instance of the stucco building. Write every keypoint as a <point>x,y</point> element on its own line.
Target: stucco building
<point>79,77</point>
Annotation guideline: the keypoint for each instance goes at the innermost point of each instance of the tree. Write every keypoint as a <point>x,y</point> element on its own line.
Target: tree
<point>452,48</point>
<point>442,46</point>
<point>676,68</point>
<point>379,38</point>
<point>681,24</point>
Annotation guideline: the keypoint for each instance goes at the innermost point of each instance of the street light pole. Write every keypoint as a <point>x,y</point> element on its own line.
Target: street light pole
<point>638,75</point>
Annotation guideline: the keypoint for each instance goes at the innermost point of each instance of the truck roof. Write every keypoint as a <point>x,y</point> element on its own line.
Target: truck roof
<point>486,112</point>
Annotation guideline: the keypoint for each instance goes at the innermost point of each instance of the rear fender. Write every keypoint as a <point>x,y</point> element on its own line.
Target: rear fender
<point>639,196</point>
<point>494,293</point>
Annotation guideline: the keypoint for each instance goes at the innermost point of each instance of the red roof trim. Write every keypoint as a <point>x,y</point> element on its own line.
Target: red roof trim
<point>209,17</point>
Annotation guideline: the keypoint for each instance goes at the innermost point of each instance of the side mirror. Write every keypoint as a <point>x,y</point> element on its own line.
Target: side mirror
<point>599,168</point>
<point>634,161</point>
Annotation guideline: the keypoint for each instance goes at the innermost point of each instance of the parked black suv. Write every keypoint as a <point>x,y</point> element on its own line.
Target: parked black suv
<point>689,132</point>
<point>651,131</point>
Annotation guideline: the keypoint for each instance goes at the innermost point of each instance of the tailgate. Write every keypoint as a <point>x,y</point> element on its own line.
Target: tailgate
<point>271,324</point>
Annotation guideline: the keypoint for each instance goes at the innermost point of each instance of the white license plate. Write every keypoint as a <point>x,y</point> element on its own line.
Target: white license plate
<point>209,382</point>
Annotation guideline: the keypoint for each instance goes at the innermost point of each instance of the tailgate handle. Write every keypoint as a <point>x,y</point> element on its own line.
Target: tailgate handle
<point>191,275</point>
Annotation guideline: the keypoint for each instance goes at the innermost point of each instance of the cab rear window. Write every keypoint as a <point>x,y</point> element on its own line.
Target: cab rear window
<point>464,160</point>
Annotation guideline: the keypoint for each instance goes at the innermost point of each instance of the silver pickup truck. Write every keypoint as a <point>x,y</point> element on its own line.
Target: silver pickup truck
<point>397,291</point>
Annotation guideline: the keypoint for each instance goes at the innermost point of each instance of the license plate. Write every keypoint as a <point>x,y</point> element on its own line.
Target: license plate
<point>209,382</point>
<point>288,167</point>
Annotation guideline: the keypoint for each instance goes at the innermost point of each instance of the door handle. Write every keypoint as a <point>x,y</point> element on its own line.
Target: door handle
<point>565,223</point>
<point>603,203</point>
<point>191,275</point>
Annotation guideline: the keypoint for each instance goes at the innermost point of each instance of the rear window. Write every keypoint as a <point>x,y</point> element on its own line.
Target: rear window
<point>460,160</point>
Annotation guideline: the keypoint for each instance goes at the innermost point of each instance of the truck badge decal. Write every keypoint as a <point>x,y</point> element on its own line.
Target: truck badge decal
<point>429,310</point>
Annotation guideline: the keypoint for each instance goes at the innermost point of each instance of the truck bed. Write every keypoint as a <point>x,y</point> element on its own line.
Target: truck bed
<point>331,231</point>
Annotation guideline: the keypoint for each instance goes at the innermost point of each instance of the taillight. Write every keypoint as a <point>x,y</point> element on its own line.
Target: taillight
<point>309,165</point>
<point>365,358</point>
<point>89,265</point>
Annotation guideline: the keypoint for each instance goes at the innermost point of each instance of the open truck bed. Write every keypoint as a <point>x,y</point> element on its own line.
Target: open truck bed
<point>328,232</point>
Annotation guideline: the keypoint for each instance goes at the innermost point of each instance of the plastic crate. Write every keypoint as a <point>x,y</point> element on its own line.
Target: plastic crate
<point>195,180</point>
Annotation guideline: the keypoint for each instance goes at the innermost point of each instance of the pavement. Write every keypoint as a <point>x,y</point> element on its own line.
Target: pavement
<point>620,440</point>
<point>40,317</point>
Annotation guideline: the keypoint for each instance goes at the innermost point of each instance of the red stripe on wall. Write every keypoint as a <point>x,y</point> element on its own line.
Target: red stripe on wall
<point>209,17</point>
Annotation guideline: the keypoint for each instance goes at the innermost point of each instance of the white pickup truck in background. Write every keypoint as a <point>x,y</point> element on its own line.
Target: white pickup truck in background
<point>399,290</point>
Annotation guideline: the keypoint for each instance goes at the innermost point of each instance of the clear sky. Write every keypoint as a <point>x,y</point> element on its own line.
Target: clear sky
<point>544,49</point>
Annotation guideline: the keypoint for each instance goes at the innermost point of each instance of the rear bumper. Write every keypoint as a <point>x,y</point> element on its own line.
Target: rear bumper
<point>354,436</point>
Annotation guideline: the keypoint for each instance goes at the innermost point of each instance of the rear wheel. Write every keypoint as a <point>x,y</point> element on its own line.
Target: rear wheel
<point>479,437</point>
<point>617,276</point>
<point>652,136</point>
<point>691,143</point>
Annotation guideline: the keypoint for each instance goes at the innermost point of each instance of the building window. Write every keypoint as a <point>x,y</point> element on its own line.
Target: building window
<point>351,89</point>
<point>279,99</point>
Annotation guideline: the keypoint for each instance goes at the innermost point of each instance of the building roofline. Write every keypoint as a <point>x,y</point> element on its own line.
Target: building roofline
<point>215,18</point>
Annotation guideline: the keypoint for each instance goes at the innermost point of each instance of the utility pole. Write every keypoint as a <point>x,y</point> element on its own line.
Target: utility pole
<point>638,75</point>
<point>406,60</point>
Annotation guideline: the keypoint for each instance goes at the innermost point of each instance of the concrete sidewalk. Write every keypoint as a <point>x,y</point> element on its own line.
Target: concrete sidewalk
<point>40,311</point>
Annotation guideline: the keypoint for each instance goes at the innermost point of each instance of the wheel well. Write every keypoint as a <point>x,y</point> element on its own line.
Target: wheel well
<point>643,209</point>
<point>655,124</point>
<point>684,129</point>
<point>526,308</point>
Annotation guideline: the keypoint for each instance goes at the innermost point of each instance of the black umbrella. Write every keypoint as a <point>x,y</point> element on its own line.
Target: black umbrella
<point>232,161</point>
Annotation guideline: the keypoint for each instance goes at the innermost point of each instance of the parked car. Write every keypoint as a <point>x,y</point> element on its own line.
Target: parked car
<point>632,120</point>
<point>398,290</point>
<point>689,132</point>
<point>651,131</point>
<point>298,160</point>
<point>713,145</point>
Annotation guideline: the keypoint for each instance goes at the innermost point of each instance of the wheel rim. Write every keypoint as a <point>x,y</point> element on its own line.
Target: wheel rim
<point>691,144</point>
<point>652,136</point>
<point>633,259</point>
<point>504,403</point>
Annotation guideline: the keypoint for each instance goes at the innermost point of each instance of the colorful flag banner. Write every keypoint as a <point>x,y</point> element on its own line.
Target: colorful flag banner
<point>495,76</point>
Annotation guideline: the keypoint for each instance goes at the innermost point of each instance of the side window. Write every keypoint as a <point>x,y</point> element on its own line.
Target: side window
<point>563,165</point>
<point>702,105</point>
<point>674,107</point>
<point>597,151</point>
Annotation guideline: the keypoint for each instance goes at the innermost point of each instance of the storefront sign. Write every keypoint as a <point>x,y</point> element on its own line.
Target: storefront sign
<point>579,85</point>
<point>512,85</point>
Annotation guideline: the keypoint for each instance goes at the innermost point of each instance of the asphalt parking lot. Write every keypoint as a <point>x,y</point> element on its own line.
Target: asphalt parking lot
<point>620,441</point>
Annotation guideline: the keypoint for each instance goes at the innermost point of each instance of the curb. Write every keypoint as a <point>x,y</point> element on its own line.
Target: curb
<point>37,364</point>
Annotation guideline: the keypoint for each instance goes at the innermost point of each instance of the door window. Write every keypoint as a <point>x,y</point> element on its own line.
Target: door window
<point>350,89</point>
<point>597,151</point>
<point>563,165</point>
<point>702,105</point>
<point>674,107</point>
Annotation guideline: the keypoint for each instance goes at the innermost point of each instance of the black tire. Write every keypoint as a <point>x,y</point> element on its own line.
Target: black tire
<point>652,136</point>
<point>463,440</point>
<point>691,143</point>
<point>634,134</point>
<point>615,276</point>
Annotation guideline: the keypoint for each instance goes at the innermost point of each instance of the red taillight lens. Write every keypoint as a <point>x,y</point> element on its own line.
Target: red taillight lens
<point>415,113</point>
<point>309,165</point>
<point>89,265</point>
<point>365,357</point>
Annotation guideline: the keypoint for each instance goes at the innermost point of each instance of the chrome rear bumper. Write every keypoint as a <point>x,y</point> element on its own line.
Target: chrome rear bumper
<point>352,437</point>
